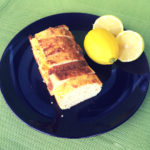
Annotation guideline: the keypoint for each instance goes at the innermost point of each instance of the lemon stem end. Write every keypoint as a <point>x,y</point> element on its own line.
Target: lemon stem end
<point>112,60</point>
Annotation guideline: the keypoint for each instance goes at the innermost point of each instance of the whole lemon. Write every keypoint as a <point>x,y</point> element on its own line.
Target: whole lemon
<point>101,46</point>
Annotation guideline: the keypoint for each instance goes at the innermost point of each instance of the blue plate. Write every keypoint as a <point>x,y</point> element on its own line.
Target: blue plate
<point>124,86</point>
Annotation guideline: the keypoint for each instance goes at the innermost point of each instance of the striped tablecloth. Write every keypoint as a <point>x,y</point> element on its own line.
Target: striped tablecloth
<point>134,134</point>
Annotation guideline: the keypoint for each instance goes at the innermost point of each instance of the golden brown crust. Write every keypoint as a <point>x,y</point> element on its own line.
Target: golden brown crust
<point>50,85</point>
<point>67,66</point>
<point>73,73</point>
<point>62,30</point>
<point>64,57</point>
<point>44,68</point>
<point>44,75</point>
<point>30,37</point>
<point>62,26</point>
<point>58,44</point>
<point>36,59</point>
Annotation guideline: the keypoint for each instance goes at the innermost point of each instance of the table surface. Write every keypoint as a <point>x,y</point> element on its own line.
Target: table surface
<point>134,134</point>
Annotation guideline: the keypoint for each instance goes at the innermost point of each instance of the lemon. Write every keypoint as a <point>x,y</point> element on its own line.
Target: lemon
<point>131,45</point>
<point>101,46</point>
<point>110,23</point>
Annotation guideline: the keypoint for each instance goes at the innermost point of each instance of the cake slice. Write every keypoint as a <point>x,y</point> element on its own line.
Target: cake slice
<point>77,90</point>
<point>58,78</point>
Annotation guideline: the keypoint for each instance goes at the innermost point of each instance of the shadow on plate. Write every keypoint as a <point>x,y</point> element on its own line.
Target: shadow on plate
<point>139,66</point>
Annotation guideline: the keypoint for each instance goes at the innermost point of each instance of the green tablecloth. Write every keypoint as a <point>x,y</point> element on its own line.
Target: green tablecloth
<point>134,134</point>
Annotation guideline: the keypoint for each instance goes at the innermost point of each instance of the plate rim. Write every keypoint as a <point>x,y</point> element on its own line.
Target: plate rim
<point>6,49</point>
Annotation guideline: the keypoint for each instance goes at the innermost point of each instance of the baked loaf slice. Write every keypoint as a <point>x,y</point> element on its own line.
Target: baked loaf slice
<point>76,90</point>
<point>62,66</point>
<point>60,77</point>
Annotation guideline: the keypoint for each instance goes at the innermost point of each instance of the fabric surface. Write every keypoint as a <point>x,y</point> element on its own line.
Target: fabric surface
<point>134,134</point>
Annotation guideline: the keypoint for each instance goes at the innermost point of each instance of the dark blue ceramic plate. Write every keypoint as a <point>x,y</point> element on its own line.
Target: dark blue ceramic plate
<point>124,86</point>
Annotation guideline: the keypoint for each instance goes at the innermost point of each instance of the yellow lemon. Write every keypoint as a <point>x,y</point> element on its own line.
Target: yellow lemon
<point>109,22</point>
<point>131,45</point>
<point>101,46</point>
